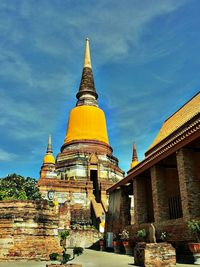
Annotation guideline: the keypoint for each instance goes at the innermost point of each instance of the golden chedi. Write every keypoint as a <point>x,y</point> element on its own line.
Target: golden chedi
<point>134,157</point>
<point>85,166</point>
<point>48,167</point>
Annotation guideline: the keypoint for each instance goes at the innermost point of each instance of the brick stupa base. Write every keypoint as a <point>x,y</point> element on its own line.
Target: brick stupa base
<point>154,254</point>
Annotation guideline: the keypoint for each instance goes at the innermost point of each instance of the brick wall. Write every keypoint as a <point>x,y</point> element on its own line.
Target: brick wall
<point>161,210</point>
<point>28,230</point>
<point>188,167</point>
<point>176,229</point>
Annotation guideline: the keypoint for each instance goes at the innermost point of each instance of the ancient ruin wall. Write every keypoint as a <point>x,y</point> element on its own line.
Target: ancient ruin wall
<point>28,230</point>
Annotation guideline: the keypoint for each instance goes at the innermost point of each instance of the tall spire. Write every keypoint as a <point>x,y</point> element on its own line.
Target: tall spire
<point>87,93</point>
<point>134,157</point>
<point>49,146</point>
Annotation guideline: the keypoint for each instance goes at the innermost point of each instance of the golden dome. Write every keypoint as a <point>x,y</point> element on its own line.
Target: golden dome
<point>87,123</point>
<point>48,158</point>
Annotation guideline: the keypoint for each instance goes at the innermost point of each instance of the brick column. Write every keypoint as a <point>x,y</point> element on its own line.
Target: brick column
<point>140,201</point>
<point>125,216</point>
<point>189,183</point>
<point>160,201</point>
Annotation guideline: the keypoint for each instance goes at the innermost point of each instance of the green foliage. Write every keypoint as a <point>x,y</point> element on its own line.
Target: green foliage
<point>141,233</point>
<point>53,256</point>
<point>17,187</point>
<point>64,234</point>
<point>125,235</point>
<point>66,258</point>
<point>77,251</point>
<point>194,227</point>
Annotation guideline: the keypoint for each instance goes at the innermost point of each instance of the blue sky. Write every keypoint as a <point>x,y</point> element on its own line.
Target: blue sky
<point>145,57</point>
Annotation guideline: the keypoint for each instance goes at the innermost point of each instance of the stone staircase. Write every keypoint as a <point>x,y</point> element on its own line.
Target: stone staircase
<point>98,208</point>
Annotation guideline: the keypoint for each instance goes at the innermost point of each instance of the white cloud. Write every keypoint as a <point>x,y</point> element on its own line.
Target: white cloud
<point>113,27</point>
<point>15,67</point>
<point>7,156</point>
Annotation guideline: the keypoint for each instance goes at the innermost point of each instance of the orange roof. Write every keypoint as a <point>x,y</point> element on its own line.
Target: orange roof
<point>178,119</point>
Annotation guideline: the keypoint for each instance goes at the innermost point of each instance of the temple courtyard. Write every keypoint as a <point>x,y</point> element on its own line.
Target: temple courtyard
<point>90,258</point>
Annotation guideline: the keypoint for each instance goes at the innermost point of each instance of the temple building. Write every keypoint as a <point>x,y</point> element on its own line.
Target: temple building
<point>166,184</point>
<point>85,167</point>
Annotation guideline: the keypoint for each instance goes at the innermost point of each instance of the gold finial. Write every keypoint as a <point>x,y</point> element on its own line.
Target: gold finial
<point>87,59</point>
<point>49,146</point>
<point>49,140</point>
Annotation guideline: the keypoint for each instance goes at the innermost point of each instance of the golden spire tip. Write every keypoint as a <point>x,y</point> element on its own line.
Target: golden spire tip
<point>49,145</point>
<point>49,139</point>
<point>87,59</point>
